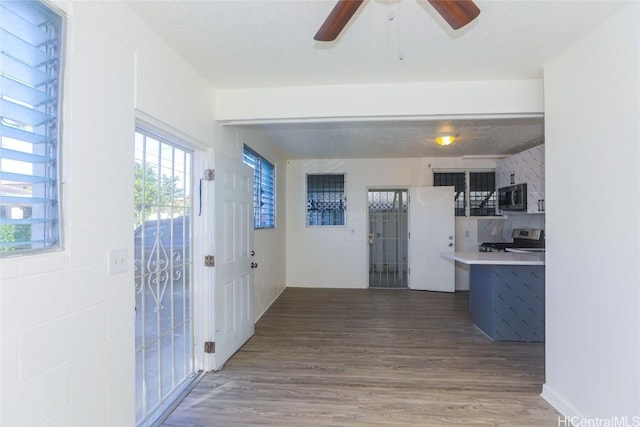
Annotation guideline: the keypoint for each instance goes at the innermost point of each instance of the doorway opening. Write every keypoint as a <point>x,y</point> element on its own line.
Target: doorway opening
<point>388,238</point>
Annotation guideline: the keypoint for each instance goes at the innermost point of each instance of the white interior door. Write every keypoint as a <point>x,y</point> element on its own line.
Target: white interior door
<point>432,231</point>
<point>233,287</point>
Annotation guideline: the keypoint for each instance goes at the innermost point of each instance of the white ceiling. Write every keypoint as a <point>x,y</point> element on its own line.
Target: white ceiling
<point>269,43</point>
<point>410,138</point>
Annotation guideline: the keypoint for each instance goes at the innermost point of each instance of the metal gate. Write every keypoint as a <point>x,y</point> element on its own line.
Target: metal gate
<point>163,271</point>
<point>388,238</point>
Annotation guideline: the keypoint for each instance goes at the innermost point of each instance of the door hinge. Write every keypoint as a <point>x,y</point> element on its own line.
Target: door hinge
<point>209,261</point>
<point>209,175</point>
<point>209,347</point>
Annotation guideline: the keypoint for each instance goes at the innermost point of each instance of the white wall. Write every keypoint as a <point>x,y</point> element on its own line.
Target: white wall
<point>269,244</point>
<point>67,330</point>
<point>166,87</point>
<point>337,257</point>
<point>381,100</point>
<point>593,223</point>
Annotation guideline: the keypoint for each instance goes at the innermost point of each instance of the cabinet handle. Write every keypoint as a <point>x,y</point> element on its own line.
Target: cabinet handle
<point>541,205</point>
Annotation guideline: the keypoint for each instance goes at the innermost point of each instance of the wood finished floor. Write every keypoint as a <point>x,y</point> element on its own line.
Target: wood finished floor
<point>371,358</point>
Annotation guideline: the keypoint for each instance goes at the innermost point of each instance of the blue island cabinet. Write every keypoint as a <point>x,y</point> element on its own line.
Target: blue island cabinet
<point>507,301</point>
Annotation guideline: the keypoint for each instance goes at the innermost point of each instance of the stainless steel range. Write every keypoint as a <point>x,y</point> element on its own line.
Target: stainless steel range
<point>524,240</point>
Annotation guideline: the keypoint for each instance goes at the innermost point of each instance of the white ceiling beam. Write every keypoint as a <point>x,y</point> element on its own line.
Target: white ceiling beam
<point>382,101</point>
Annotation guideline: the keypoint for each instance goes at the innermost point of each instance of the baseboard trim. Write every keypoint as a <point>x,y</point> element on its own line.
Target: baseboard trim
<point>270,304</point>
<point>316,286</point>
<point>566,410</point>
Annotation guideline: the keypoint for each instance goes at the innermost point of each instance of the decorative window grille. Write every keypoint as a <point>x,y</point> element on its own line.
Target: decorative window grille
<point>30,76</point>
<point>326,201</point>
<point>264,203</point>
<point>478,188</point>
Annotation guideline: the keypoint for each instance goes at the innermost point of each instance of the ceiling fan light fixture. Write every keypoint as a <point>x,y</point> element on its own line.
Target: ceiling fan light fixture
<point>445,139</point>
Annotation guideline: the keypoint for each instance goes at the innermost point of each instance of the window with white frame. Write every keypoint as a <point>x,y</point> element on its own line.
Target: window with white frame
<point>475,191</point>
<point>264,195</point>
<point>326,200</point>
<point>30,71</point>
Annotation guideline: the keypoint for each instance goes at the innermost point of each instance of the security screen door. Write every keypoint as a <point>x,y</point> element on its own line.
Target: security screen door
<point>388,238</point>
<point>163,271</point>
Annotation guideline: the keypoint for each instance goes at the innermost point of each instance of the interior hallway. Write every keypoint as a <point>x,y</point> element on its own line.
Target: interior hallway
<point>348,357</point>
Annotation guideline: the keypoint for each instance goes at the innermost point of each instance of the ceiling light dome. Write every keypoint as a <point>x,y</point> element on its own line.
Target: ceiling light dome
<point>445,139</point>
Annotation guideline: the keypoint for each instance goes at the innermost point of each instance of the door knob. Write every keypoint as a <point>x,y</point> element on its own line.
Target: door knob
<point>450,237</point>
<point>254,265</point>
<point>450,245</point>
<point>253,253</point>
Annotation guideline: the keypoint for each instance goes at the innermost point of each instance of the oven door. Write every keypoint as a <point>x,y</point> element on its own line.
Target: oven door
<point>513,198</point>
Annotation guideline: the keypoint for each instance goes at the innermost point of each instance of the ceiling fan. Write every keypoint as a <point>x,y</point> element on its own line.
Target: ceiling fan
<point>457,13</point>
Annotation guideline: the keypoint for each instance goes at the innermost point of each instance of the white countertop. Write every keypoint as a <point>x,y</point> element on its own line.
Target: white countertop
<point>495,258</point>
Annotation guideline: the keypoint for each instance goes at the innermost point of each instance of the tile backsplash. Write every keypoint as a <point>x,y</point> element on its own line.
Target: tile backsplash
<point>499,229</point>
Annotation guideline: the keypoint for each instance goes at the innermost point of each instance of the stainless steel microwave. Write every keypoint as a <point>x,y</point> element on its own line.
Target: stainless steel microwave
<point>513,198</point>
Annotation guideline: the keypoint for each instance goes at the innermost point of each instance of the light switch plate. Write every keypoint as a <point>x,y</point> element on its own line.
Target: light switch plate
<point>118,261</point>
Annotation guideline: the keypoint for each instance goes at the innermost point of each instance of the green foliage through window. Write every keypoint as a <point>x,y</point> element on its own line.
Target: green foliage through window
<point>152,193</point>
<point>15,237</point>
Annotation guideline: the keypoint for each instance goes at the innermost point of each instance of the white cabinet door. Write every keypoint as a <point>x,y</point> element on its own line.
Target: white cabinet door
<point>503,171</point>
<point>431,232</point>
<point>526,167</point>
<point>533,161</point>
<point>233,287</point>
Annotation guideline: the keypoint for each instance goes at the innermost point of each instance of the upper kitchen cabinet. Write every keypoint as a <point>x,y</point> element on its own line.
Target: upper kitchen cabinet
<point>526,167</point>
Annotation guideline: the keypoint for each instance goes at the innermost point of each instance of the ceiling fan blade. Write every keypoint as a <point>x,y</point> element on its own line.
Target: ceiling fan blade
<point>337,20</point>
<point>457,13</point>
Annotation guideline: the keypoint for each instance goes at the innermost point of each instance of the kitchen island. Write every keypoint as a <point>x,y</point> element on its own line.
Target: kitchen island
<point>506,293</point>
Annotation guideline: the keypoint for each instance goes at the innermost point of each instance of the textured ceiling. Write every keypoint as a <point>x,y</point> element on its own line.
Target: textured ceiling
<point>269,43</point>
<point>393,139</point>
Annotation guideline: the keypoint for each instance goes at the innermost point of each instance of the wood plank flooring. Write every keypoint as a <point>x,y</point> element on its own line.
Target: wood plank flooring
<point>331,357</point>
